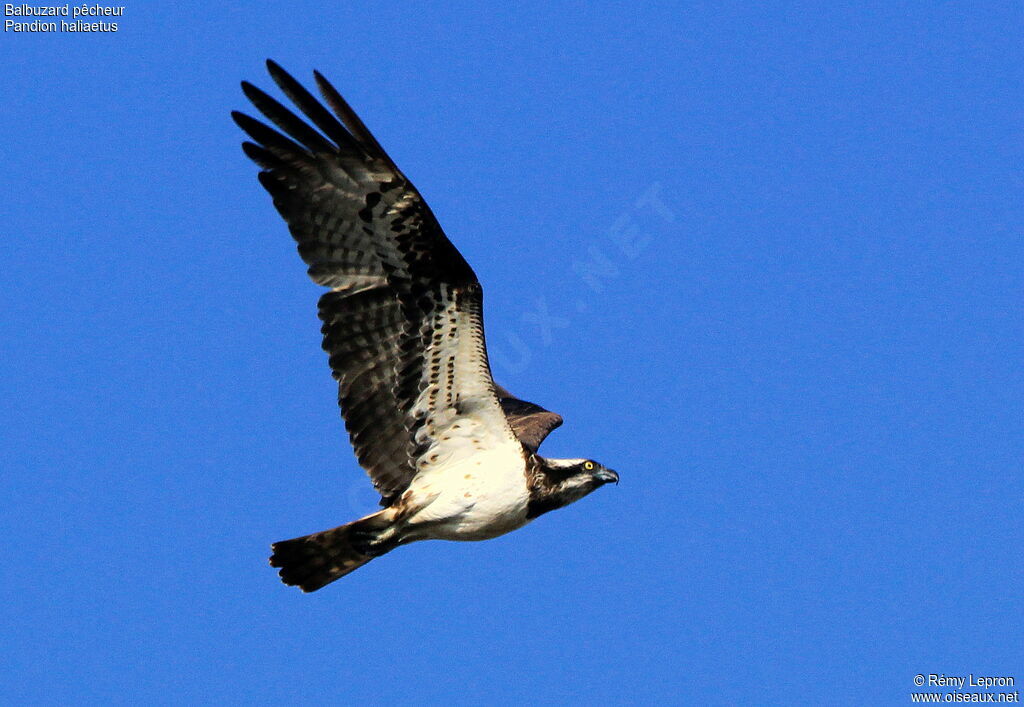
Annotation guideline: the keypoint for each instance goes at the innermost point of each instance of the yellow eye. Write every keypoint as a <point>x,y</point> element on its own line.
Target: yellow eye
<point>588,465</point>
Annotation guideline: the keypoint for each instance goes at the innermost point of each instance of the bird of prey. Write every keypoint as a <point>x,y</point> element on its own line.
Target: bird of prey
<point>453,455</point>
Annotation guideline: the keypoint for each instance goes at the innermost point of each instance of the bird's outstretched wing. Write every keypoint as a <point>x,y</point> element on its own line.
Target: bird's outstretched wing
<point>403,319</point>
<point>530,422</point>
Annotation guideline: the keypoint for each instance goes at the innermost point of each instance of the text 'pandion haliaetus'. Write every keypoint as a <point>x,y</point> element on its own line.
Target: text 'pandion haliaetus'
<point>453,455</point>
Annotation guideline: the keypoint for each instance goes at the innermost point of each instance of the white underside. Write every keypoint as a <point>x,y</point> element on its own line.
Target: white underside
<point>475,498</point>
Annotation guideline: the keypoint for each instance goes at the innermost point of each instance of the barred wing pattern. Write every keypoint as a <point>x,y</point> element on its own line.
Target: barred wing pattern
<point>403,321</point>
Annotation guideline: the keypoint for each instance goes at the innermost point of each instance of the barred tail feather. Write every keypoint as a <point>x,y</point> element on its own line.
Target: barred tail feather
<point>314,561</point>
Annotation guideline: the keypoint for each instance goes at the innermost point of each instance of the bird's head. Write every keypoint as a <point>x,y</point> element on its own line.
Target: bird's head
<point>559,482</point>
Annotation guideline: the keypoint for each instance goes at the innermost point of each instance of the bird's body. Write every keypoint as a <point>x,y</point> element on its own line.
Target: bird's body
<point>452,453</point>
<point>477,498</point>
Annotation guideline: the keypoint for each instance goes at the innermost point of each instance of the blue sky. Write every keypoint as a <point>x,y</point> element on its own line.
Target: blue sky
<point>766,261</point>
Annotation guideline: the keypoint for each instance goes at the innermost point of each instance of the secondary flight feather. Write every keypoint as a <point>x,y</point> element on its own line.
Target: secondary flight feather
<point>453,455</point>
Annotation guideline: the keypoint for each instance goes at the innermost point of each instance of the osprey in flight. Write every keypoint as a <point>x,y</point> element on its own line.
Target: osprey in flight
<point>453,455</point>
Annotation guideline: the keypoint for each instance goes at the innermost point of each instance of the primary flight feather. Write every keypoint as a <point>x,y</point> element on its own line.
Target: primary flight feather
<point>453,455</point>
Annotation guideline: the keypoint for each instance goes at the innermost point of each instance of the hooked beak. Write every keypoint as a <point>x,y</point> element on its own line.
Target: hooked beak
<point>607,476</point>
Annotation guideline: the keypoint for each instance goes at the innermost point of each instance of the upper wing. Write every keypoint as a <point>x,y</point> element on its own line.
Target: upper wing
<point>403,321</point>
<point>530,422</point>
